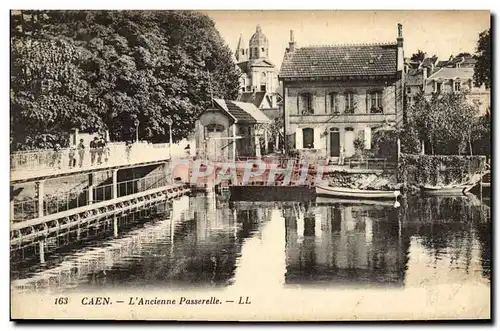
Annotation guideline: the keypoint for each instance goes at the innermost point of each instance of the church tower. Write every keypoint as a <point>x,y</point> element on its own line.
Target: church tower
<point>258,45</point>
<point>241,53</point>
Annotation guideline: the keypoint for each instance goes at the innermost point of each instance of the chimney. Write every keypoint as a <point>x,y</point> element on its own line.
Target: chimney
<point>291,43</point>
<point>400,59</point>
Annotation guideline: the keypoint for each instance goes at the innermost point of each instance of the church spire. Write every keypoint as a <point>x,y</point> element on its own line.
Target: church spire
<point>241,50</point>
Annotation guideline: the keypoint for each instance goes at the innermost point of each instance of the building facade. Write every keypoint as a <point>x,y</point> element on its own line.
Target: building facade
<point>334,94</point>
<point>455,75</point>
<point>459,79</point>
<point>230,129</point>
<point>259,76</point>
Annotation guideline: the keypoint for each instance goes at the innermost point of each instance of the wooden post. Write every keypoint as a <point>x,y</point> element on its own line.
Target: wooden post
<point>115,226</point>
<point>39,196</point>
<point>234,142</point>
<point>90,192</point>
<point>41,247</point>
<point>399,148</point>
<point>114,187</point>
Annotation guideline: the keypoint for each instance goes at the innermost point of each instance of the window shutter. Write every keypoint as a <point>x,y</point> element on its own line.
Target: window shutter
<point>299,111</point>
<point>311,103</point>
<point>355,97</point>
<point>368,103</point>
<point>327,103</point>
<point>317,138</point>
<point>298,138</point>
<point>368,137</point>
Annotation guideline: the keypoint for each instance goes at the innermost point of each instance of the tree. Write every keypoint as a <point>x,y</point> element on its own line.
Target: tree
<point>119,67</point>
<point>419,56</point>
<point>482,72</point>
<point>444,122</point>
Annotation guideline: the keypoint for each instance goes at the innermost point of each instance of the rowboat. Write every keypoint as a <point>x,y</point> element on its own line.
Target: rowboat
<point>325,201</point>
<point>355,193</point>
<point>447,190</point>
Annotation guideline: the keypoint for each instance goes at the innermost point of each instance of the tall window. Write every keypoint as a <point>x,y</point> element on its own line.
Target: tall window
<point>457,86</point>
<point>437,87</point>
<point>308,138</point>
<point>376,102</point>
<point>349,103</point>
<point>305,104</point>
<point>333,103</point>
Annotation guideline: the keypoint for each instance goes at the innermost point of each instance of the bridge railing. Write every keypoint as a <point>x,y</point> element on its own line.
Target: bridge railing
<point>114,154</point>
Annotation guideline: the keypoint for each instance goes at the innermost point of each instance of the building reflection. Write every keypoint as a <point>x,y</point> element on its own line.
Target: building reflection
<point>341,244</point>
<point>205,241</point>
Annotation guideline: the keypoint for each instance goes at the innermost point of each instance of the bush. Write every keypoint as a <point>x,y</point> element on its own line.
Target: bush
<point>385,144</point>
<point>417,170</point>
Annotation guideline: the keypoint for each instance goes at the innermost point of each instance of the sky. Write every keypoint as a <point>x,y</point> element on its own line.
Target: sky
<point>442,33</point>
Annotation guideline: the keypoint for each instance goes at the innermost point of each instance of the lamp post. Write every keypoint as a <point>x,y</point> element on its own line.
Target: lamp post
<point>136,122</point>
<point>170,122</point>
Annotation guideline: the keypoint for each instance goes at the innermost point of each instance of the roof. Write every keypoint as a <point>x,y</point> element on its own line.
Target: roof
<point>242,112</point>
<point>340,60</point>
<point>243,66</point>
<point>246,65</point>
<point>249,108</point>
<point>429,61</point>
<point>452,73</point>
<point>252,97</point>
<point>441,63</point>
<point>414,77</point>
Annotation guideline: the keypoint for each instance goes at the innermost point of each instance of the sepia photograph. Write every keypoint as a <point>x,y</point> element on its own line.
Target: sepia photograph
<point>250,165</point>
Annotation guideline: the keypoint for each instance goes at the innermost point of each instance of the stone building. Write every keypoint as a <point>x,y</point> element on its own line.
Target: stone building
<point>333,94</point>
<point>230,129</point>
<point>415,75</point>
<point>448,79</point>
<point>259,79</point>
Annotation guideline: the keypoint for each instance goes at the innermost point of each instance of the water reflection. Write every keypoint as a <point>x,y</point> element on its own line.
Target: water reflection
<point>204,241</point>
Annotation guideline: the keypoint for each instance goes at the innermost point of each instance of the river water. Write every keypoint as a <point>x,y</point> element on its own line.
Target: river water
<point>209,243</point>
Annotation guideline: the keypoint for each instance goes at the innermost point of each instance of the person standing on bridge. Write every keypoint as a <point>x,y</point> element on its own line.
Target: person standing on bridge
<point>100,150</point>
<point>56,157</point>
<point>93,150</point>
<point>72,157</point>
<point>81,152</point>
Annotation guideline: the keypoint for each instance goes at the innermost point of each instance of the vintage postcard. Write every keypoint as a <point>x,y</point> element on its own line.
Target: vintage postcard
<point>250,165</point>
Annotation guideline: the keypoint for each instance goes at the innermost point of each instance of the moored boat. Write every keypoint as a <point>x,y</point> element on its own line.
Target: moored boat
<point>326,200</point>
<point>355,193</point>
<point>446,189</point>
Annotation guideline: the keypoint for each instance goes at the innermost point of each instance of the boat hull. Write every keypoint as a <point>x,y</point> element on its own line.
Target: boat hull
<point>328,201</point>
<point>456,190</point>
<point>353,193</point>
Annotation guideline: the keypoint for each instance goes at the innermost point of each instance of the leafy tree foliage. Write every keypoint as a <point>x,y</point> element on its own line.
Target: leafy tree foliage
<point>98,70</point>
<point>447,122</point>
<point>482,72</point>
<point>419,56</point>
